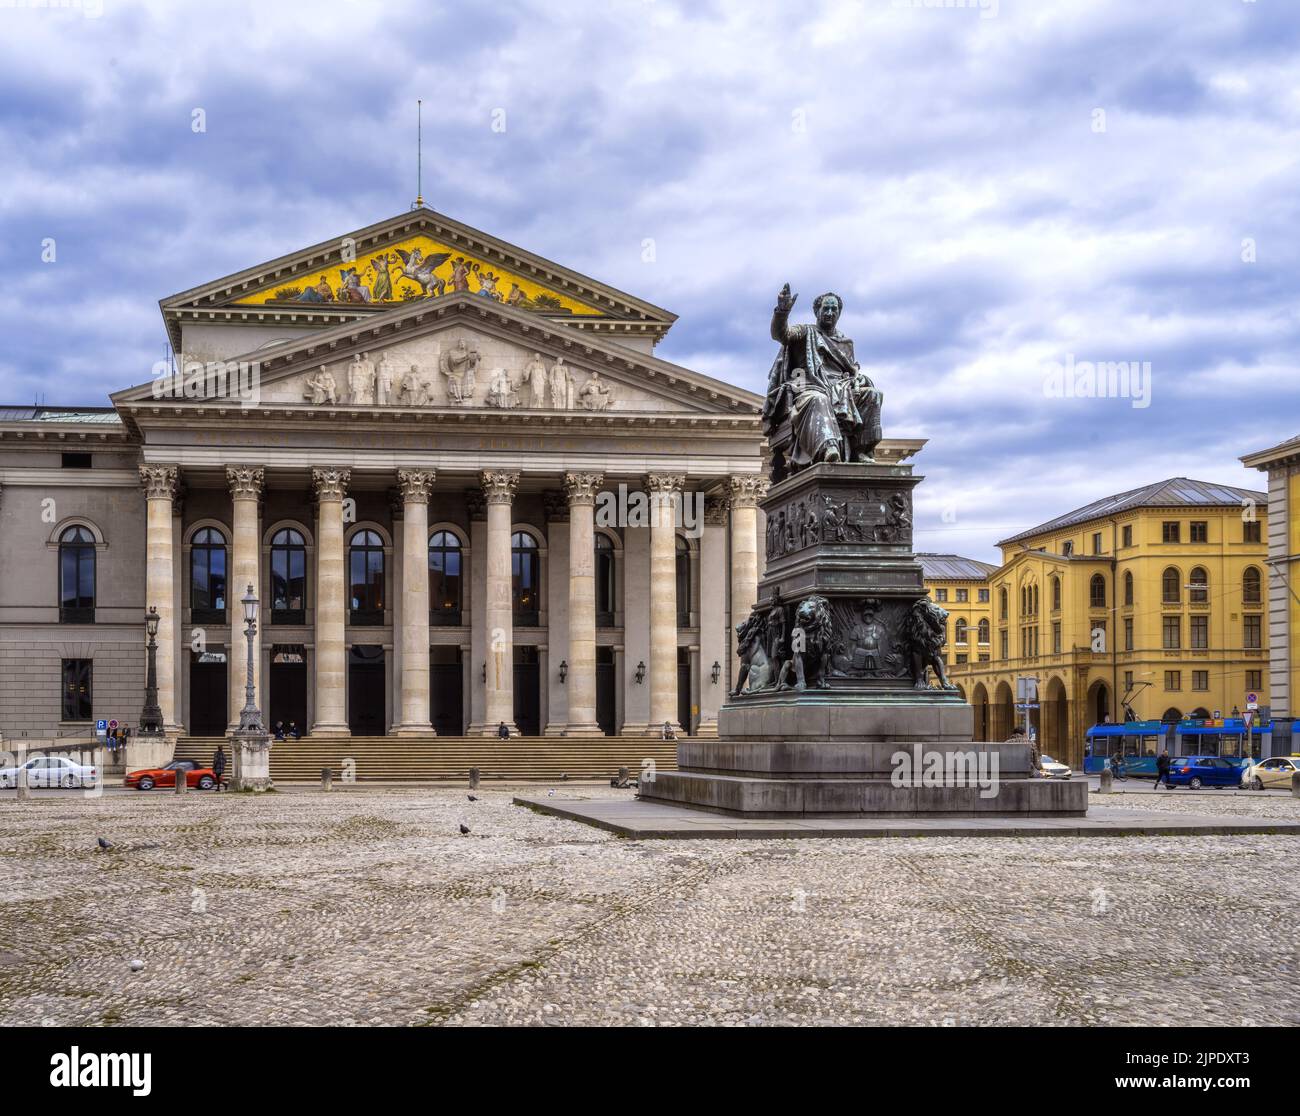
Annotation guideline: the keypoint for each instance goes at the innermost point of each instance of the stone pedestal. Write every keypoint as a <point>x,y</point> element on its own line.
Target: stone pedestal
<point>252,762</point>
<point>838,714</point>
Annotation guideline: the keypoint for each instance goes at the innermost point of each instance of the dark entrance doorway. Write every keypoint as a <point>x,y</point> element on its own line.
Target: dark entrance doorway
<point>366,690</point>
<point>684,690</point>
<point>528,705</point>
<point>446,691</point>
<point>288,702</point>
<point>208,709</point>
<point>605,689</point>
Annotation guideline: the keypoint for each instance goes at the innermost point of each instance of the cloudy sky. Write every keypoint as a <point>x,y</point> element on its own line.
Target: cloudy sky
<point>997,190</point>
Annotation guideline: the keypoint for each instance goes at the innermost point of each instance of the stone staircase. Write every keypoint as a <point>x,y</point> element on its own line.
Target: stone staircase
<point>422,759</point>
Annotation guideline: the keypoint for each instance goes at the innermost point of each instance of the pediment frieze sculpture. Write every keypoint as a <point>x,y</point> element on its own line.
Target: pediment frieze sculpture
<point>456,377</point>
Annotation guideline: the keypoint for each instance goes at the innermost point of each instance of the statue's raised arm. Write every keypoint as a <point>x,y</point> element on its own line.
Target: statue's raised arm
<point>780,316</point>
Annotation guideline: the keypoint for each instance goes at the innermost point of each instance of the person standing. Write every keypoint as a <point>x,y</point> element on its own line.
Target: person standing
<point>1162,769</point>
<point>219,765</point>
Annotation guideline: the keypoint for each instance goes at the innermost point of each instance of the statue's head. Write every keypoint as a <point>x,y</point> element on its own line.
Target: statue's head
<point>826,309</point>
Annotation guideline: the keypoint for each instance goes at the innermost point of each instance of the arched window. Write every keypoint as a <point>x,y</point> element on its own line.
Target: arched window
<point>1171,586</point>
<point>208,576</point>
<point>683,583</point>
<point>1097,592</point>
<point>1002,603</point>
<point>984,629</point>
<point>288,577</point>
<point>525,579</point>
<point>366,578</point>
<point>1034,602</point>
<point>1128,588</point>
<point>604,581</point>
<point>1199,585</point>
<point>1251,586</point>
<point>959,632</point>
<point>76,576</point>
<point>1171,717</point>
<point>1056,594</point>
<point>444,579</point>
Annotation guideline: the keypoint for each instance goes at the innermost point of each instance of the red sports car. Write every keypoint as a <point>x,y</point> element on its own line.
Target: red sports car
<point>195,776</point>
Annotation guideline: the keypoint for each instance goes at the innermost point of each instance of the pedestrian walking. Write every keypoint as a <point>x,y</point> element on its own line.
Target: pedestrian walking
<point>1162,769</point>
<point>503,733</point>
<point>219,765</point>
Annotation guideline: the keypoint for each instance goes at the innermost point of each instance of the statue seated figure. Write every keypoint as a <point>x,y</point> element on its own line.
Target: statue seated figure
<point>820,405</point>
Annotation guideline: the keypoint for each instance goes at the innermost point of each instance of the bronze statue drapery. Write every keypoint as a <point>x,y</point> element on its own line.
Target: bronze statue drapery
<point>832,406</point>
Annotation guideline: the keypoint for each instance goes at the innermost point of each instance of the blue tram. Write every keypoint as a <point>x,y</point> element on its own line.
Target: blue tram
<point>1138,743</point>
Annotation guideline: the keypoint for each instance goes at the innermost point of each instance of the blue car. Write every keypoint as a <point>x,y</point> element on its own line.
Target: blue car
<point>1205,771</point>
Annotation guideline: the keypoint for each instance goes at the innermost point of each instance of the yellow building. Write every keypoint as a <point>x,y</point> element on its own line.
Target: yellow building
<point>1151,599</point>
<point>961,586</point>
<point>1282,464</point>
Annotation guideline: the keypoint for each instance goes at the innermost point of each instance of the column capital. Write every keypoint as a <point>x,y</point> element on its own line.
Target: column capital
<point>245,483</point>
<point>556,505</point>
<point>160,482</point>
<point>664,484</point>
<point>715,511</point>
<point>499,488</point>
<point>416,484</point>
<point>330,484</point>
<point>581,488</point>
<point>746,491</point>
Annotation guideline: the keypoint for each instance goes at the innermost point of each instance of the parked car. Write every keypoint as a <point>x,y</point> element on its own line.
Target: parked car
<point>1053,769</point>
<point>204,778</point>
<point>51,771</point>
<point>1205,771</point>
<point>1275,772</point>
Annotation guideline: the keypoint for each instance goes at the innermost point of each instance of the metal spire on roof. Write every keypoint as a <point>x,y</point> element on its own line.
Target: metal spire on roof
<point>419,156</point>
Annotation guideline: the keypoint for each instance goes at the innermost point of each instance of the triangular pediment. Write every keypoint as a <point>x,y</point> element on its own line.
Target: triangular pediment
<point>417,256</point>
<point>459,355</point>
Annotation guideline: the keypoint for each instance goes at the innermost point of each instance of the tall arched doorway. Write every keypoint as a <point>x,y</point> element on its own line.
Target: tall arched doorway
<point>1004,711</point>
<point>1099,704</point>
<point>980,703</point>
<point>1055,720</point>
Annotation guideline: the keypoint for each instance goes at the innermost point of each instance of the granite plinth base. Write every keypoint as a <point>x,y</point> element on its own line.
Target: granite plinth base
<point>844,777</point>
<point>745,796</point>
<point>828,715</point>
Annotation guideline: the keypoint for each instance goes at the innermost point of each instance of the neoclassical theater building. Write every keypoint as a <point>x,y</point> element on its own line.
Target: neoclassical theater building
<point>461,484</point>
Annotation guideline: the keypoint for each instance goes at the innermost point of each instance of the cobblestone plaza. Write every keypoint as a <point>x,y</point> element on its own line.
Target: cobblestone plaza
<point>370,907</point>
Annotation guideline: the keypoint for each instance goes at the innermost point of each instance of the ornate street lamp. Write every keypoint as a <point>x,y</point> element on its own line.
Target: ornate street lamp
<point>151,719</point>
<point>640,672</point>
<point>564,670</point>
<point>717,671</point>
<point>250,717</point>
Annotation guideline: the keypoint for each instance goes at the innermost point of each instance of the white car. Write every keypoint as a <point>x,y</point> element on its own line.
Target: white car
<point>1275,772</point>
<point>51,771</point>
<point>1054,770</point>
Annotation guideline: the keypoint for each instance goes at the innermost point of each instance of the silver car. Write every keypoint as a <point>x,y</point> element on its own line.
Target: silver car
<point>1054,770</point>
<point>51,771</point>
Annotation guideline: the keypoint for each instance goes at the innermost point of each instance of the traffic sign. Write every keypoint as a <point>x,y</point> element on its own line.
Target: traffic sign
<point>101,727</point>
<point>113,723</point>
<point>1252,701</point>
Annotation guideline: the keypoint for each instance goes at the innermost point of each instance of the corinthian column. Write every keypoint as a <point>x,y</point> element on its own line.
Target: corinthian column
<point>331,604</point>
<point>159,483</point>
<point>499,698</point>
<point>581,488</point>
<point>416,485</point>
<point>245,564</point>
<point>665,490</point>
<point>745,494</point>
